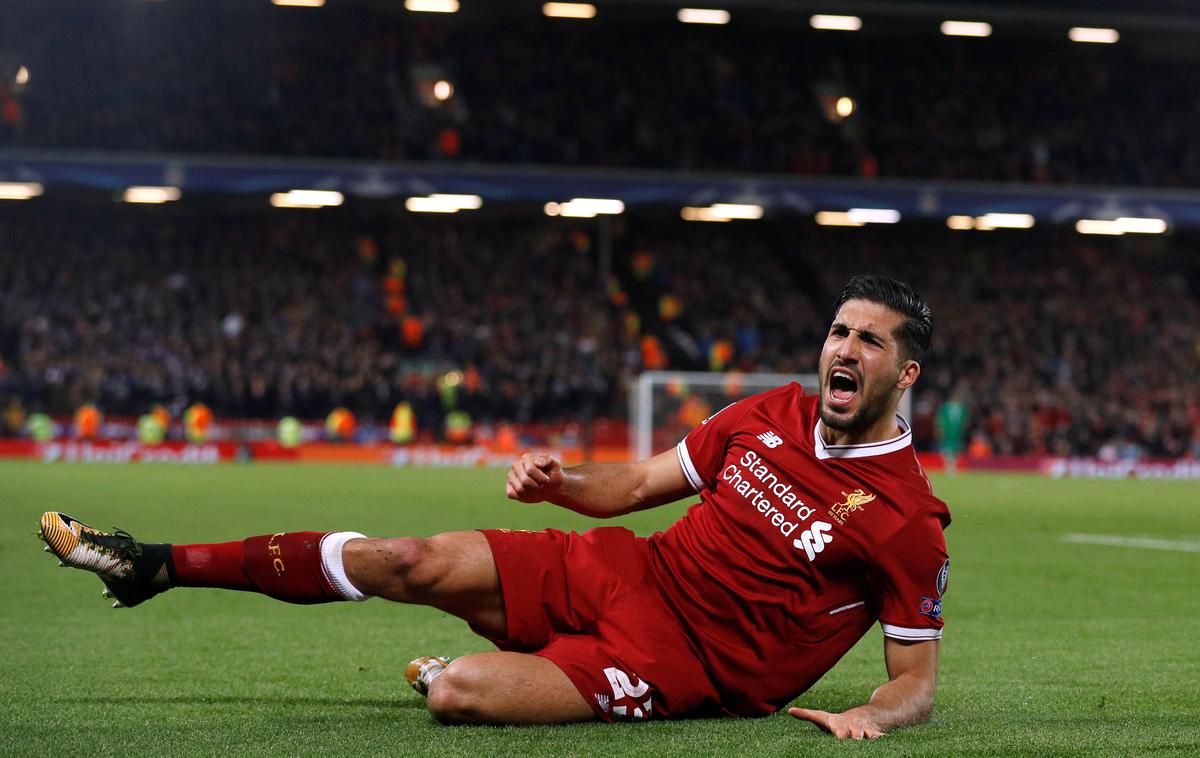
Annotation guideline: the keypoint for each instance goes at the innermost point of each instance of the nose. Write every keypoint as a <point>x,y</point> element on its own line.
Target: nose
<point>849,348</point>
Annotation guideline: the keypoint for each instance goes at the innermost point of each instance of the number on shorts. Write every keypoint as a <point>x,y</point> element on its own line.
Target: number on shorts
<point>621,686</point>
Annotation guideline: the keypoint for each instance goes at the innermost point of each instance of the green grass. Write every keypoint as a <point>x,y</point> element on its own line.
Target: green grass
<point>1051,648</point>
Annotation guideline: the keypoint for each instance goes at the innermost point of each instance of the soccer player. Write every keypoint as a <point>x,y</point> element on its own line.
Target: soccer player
<point>815,521</point>
<point>950,429</point>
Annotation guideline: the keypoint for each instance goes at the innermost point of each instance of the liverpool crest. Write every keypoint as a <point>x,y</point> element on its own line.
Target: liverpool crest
<point>854,502</point>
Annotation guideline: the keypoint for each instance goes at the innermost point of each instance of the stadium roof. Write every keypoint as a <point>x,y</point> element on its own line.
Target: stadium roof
<point>531,186</point>
<point>1147,13</point>
<point>1164,16</point>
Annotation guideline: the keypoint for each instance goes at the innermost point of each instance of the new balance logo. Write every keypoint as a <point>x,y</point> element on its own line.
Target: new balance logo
<point>814,540</point>
<point>771,439</point>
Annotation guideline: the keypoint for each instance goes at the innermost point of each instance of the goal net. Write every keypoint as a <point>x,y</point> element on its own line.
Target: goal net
<point>666,405</point>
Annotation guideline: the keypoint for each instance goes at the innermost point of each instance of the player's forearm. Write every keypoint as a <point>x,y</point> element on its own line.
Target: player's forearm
<point>906,700</point>
<point>603,490</point>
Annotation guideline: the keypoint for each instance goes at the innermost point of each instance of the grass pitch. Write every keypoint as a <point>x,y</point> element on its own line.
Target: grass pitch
<point>1051,648</point>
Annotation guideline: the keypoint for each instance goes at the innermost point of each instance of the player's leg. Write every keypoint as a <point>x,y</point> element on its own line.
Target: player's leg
<point>505,688</point>
<point>454,572</point>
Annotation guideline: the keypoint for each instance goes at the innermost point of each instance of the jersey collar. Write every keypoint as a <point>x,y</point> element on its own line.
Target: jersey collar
<point>868,450</point>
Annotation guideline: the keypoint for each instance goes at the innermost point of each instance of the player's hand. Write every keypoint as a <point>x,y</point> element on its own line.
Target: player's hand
<point>533,478</point>
<point>847,725</point>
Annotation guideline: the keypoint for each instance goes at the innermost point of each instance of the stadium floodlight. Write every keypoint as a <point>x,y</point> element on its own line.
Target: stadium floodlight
<point>873,215</point>
<point>960,223</point>
<point>966,29</point>
<point>585,207</point>
<point>443,203</point>
<point>1098,226</point>
<point>1094,35</point>
<point>566,210</point>
<point>19,190</point>
<point>299,3</point>
<point>595,206</point>
<point>151,195</point>
<point>1135,225</point>
<point>1005,221</point>
<point>702,214</point>
<point>836,218</point>
<point>22,77</point>
<point>432,6</point>
<point>307,198</point>
<point>703,16</point>
<point>833,23</point>
<point>430,205</point>
<point>745,211</point>
<point>569,10</point>
<point>464,202</point>
<point>1122,225</point>
<point>723,212</point>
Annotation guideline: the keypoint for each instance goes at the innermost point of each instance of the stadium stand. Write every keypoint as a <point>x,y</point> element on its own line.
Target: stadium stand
<point>1059,344</point>
<point>290,317</point>
<point>357,84</point>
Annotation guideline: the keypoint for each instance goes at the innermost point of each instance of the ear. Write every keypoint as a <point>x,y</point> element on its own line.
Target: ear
<point>909,371</point>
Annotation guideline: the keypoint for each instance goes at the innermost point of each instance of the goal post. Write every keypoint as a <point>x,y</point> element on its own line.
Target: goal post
<point>666,405</point>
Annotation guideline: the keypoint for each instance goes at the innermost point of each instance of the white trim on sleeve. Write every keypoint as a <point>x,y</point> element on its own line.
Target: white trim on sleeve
<point>689,470</point>
<point>909,634</point>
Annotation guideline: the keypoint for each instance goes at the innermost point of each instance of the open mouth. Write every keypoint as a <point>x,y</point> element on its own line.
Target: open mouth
<point>843,386</point>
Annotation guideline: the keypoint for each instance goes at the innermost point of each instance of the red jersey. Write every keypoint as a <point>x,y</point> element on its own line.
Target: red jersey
<point>797,548</point>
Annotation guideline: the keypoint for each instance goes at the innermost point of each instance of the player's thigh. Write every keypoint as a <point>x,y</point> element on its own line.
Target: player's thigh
<point>506,688</point>
<point>464,579</point>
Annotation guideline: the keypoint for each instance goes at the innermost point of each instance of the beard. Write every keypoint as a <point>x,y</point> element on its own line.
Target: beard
<point>871,408</point>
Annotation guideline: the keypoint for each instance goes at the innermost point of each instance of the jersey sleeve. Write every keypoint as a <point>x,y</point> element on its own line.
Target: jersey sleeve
<point>909,577</point>
<point>702,451</point>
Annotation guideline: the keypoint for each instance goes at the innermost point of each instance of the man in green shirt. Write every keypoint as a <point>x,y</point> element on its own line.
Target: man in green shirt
<point>951,429</point>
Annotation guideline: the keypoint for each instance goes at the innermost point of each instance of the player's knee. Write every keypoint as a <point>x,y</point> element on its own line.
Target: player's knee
<point>457,696</point>
<point>404,559</point>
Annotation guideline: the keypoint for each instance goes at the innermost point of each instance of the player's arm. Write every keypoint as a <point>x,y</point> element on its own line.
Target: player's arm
<point>906,699</point>
<point>600,490</point>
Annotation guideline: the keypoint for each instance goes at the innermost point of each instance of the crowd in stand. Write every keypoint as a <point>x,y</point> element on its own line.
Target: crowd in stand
<point>263,318</point>
<point>358,83</point>
<point>1056,343</point>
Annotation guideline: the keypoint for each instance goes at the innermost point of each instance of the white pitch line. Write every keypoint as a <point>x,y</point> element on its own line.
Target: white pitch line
<point>1142,542</point>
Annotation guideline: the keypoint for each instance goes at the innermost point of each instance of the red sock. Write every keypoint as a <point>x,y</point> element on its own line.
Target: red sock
<point>285,566</point>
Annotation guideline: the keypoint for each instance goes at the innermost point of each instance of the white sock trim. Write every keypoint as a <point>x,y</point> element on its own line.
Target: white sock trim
<point>331,561</point>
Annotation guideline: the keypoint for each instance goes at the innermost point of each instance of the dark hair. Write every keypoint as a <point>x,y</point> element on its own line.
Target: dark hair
<point>916,333</point>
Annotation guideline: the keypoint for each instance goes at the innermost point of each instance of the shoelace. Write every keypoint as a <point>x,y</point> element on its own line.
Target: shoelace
<point>126,547</point>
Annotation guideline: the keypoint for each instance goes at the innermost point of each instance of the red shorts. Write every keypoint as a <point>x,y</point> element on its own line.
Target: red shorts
<point>589,604</point>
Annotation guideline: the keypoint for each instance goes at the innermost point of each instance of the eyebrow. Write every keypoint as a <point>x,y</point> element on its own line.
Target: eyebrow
<point>866,334</point>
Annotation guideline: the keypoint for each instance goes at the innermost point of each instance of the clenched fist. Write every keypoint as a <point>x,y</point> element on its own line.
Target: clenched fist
<point>534,478</point>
